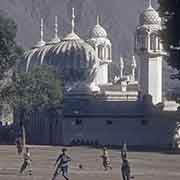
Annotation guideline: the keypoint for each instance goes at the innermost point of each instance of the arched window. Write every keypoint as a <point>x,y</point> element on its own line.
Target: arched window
<point>153,42</point>
<point>108,52</point>
<point>142,40</point>
<point>100,52</point>
<point>159,43</point>
<point>146,42</point>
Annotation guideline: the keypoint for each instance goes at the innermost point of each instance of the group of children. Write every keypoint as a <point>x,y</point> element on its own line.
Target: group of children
<point>62,163</point>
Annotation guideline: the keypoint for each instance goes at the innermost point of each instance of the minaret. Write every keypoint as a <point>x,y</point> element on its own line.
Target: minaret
<point>149,49</point>
<point>100,42</point>
<point>41,42</point>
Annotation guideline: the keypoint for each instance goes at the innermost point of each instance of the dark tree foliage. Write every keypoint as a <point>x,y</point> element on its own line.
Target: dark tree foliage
<point>9,50</point>
<point>39,87</point>
<point>170,12</point>
<point>36,90</point>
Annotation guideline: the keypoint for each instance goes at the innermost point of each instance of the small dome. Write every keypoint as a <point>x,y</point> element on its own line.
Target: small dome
<point>74,59</point>
<point>150,17</point>
<point>98,32</point>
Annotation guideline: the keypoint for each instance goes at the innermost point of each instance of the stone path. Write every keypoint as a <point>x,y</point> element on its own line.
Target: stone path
<point>145,165</point>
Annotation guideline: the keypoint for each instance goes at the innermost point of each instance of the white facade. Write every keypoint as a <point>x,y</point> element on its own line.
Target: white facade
<point>148,47</point>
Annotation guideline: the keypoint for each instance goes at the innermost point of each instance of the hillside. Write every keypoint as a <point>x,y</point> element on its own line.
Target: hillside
<point>118,17</point>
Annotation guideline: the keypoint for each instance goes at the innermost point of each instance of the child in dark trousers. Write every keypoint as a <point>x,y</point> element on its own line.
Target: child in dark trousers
<point>62,163</point>
<point>125,169</point>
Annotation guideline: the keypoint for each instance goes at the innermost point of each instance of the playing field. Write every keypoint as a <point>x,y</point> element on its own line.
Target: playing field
<point>145,165</point>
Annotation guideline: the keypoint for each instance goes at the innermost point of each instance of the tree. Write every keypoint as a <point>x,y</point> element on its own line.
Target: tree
<point>9,50</point>
<point>37,89</point>
<point>170,12</point>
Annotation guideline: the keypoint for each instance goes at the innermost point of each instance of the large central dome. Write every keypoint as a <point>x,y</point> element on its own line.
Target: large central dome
<point>75,60</point>
<point>73,57</point>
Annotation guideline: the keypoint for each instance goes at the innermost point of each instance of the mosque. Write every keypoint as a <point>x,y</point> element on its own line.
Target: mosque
<point>99,111</point>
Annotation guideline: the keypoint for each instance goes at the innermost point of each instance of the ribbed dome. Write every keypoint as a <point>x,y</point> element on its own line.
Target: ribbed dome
<point>98,31</point>
<point>150,17</point>
<point>73,57</point>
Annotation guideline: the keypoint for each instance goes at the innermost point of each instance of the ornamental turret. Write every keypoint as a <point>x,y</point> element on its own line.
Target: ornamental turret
<point>103,47</point>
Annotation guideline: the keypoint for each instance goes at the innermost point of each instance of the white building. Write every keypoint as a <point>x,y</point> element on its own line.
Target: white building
<point>94,109</point>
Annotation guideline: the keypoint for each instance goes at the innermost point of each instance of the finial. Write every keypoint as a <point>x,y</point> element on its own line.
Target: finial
<point>56,27</point>
<point>73,20</point>
<point>41,42</point>
<point>98,20</point>
<point>55,39</point>
<point>42,30</point>
<point>150,4</point>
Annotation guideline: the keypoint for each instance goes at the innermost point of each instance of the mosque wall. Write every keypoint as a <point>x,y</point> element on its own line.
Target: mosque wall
<point>150,129</point>
<point>42,129</point>
<point>145,131</point>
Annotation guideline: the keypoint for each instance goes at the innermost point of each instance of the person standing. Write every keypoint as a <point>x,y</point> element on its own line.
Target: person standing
<point>27,162</point>
<point>106,159</point>
<point>125,169</point>
<point>62,164</point>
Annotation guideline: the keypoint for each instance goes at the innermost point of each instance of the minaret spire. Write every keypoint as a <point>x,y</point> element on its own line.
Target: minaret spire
<point>55,39</point>
<point>42,30</point>
<point>41,42</point>
<point>72,35</point>
<point>56,28</point>
<point>73,20</point>
<point>150,4</point>
<point>98,20</point>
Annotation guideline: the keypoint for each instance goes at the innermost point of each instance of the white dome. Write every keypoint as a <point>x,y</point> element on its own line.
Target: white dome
<point>150,17</point>
<point>98,32</point>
